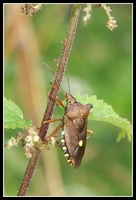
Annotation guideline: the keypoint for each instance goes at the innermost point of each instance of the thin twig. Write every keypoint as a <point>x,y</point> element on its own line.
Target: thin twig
<point>67,45</point>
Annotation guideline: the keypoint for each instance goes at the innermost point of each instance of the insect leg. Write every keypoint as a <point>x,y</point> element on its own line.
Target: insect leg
<point>60,103</point>
<point>55,131</point>
<point>90,133</point>
<point>51,120</point>
<point>48,138</point>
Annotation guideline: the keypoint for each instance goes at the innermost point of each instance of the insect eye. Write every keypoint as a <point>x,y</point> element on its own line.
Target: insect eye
<point>69,101</point>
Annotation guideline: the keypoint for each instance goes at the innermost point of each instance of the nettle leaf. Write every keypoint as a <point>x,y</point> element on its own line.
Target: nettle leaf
<point>13,116</point>
<point>101,111</point>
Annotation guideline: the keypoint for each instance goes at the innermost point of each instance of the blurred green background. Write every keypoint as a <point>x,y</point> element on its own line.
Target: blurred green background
<point>100,64</point>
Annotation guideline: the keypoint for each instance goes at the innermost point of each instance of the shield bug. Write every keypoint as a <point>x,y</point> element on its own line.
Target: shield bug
<point>74,129</point>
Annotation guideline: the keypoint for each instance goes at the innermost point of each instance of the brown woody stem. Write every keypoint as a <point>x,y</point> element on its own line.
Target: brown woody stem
<point>67,45</point>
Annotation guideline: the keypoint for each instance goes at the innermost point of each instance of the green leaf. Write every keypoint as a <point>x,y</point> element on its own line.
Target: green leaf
<point>101,111</point>
<point>13,116</point>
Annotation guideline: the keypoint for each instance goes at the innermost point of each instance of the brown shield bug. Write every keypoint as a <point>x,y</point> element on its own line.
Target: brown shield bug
<point>74,129</point>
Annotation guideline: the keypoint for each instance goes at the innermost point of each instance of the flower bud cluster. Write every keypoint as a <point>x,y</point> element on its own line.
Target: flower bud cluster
<point>111,24</point>
<point>30,140</point>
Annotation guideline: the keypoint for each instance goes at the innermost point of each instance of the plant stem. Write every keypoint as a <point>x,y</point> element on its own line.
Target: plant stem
<point>67,45</point>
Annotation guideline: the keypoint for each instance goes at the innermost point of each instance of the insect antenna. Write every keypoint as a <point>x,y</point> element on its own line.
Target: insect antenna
<point>54,76</point>
<point>68,81</point>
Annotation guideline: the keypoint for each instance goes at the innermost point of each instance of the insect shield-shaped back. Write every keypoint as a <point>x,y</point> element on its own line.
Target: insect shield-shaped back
<point>73,137</point>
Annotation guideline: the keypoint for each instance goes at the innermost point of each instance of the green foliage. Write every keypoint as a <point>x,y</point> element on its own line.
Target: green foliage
<point>13,116</point>
<point>101,111</point>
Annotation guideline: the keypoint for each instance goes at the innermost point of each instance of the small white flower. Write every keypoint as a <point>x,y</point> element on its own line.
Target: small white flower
<point>87,9</point>
<point>36,138</point>
<point>28,138</point>
<point>28,154</point>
